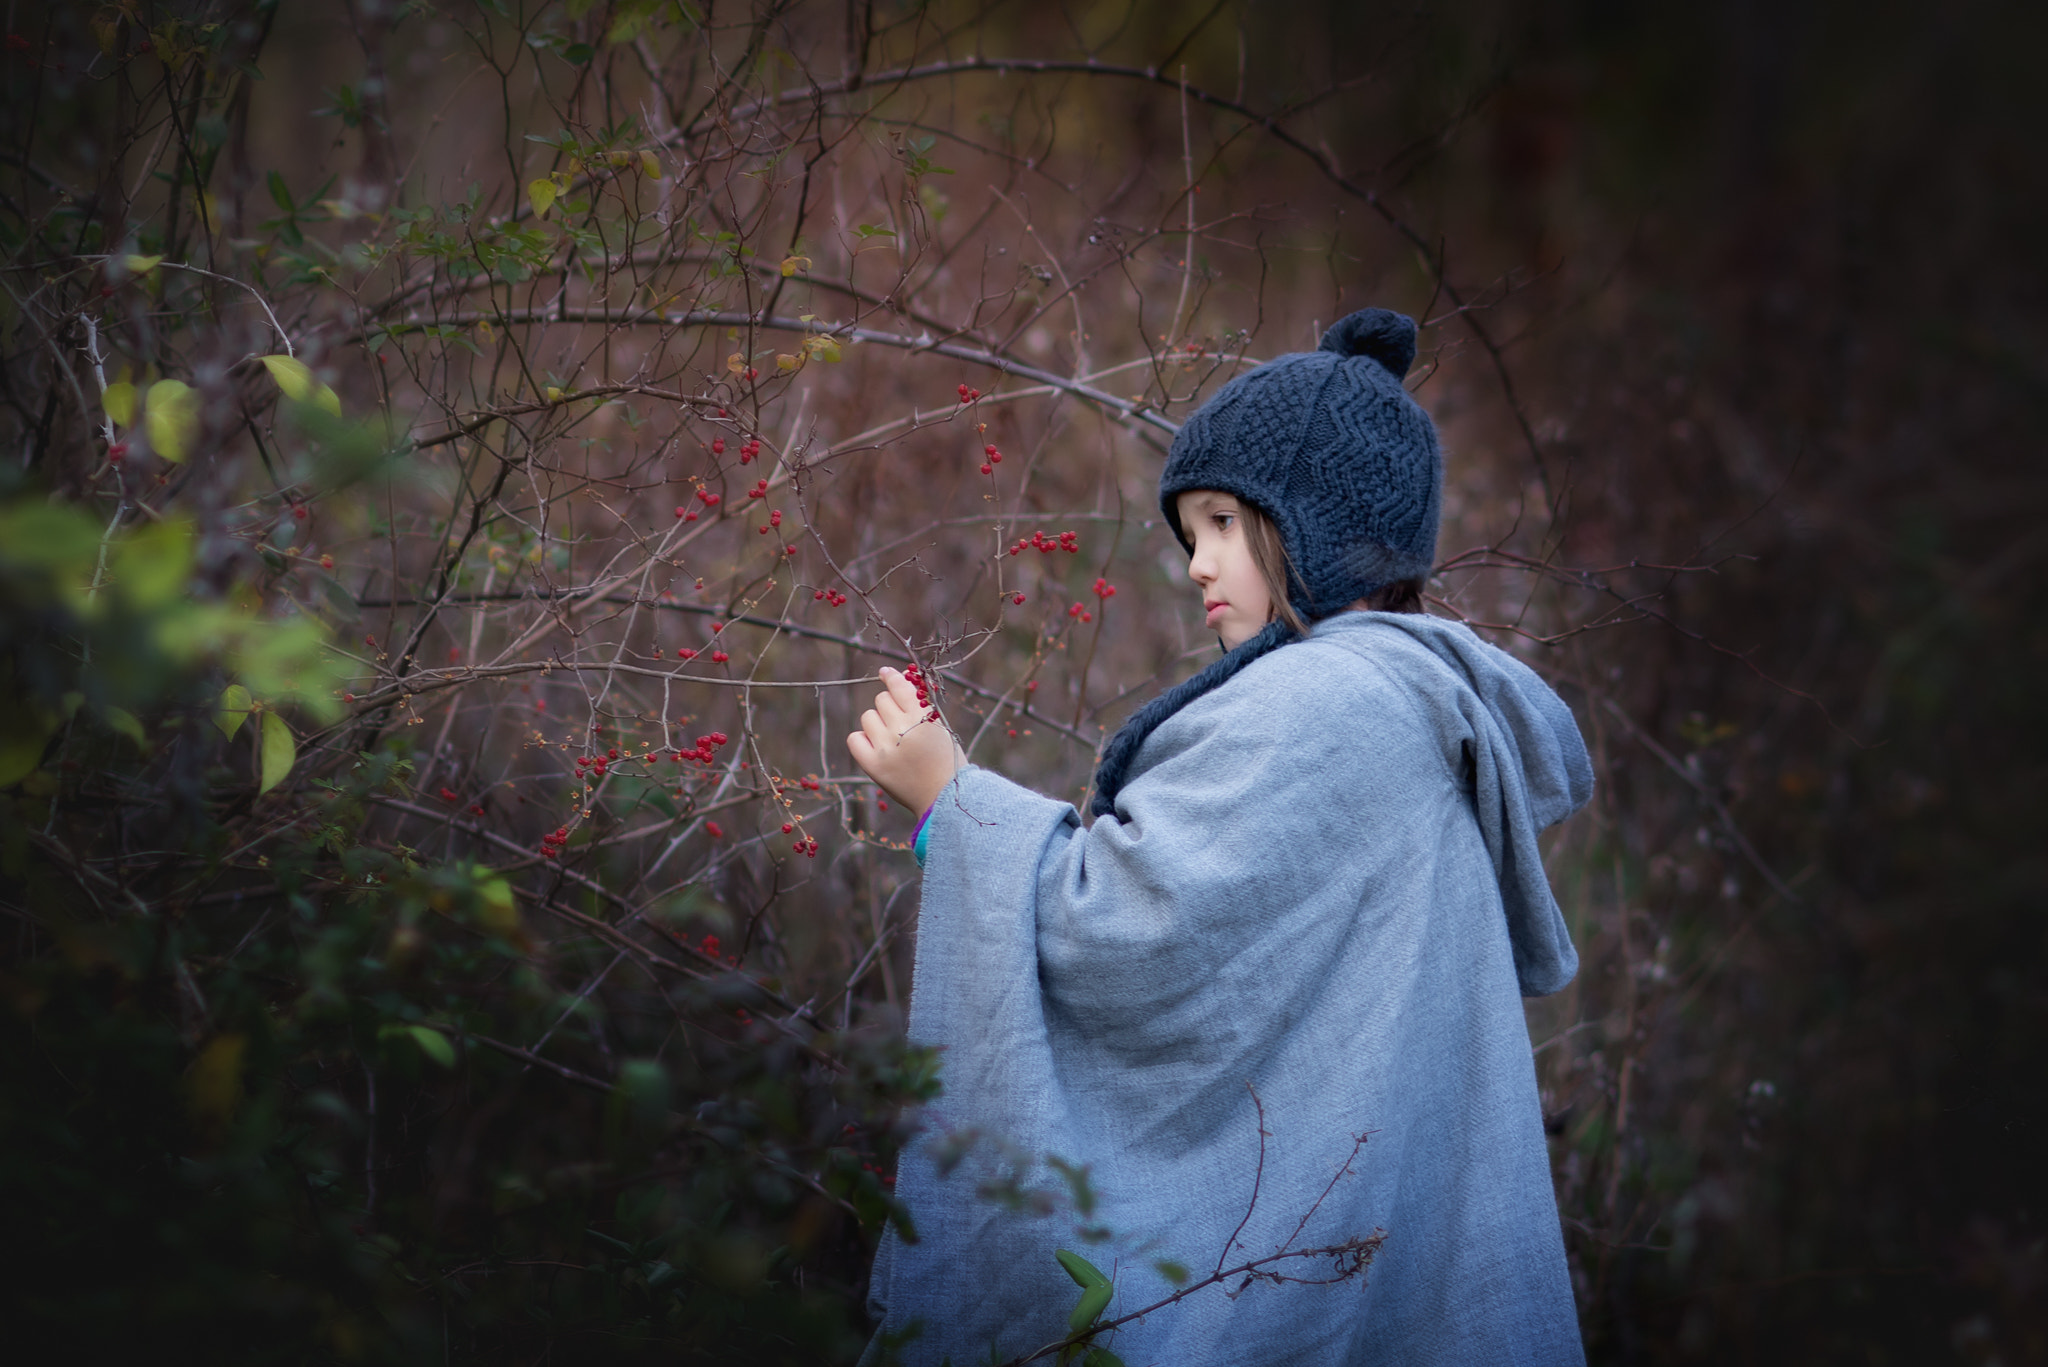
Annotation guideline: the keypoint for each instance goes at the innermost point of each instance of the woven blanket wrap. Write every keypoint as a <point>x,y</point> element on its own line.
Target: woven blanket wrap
<point>1321,880</point>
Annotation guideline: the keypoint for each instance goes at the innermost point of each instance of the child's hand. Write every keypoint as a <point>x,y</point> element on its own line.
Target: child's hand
<point>911,756</point>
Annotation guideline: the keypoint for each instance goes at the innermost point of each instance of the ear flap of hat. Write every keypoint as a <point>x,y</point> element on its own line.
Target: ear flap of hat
<point>1384,335</point>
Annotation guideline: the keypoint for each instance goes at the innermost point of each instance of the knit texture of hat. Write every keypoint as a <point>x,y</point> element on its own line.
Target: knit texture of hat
<point>1328,445</point>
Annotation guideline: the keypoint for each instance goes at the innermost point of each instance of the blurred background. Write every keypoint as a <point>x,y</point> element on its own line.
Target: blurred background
<point>1732,321</point>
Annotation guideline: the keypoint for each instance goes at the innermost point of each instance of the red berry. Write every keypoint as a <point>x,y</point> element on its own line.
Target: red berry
<point>719,657</point>
<point>988,450</point>
<point>1031,687</point>
<point>117,451</point>
<point>996,457</point>
<point>682,512</point>
<point>718,446</point>
<point>819,596</point>
<point>326,562</point>
<point>298,512</point>
<point>716,832</point>
<point>448,795</point>
<point>775,517</point>
<point>987,469</point>
<point>787,828</point>
<point>686,654</point>
<point>1018,599</point>
<point>707,498</point>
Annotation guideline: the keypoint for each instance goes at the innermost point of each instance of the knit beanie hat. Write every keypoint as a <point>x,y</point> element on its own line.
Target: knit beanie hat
<point>1329,445</point>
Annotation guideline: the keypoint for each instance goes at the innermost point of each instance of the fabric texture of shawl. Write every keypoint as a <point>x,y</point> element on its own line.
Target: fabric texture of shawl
<point>1321,885</point>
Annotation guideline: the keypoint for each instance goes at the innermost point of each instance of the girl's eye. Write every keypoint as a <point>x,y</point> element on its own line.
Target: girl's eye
<point>1224,521</point>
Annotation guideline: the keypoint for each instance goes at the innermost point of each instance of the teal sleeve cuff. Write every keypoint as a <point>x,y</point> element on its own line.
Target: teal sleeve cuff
<point>924,829</point>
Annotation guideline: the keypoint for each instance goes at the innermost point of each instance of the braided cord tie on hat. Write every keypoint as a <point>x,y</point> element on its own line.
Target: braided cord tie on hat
<point>1123,746</point>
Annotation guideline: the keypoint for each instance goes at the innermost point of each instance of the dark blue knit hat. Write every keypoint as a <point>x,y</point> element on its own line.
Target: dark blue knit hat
<point>1328,445</point>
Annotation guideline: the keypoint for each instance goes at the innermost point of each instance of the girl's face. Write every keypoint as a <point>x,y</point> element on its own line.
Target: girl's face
<point>1234,594</point>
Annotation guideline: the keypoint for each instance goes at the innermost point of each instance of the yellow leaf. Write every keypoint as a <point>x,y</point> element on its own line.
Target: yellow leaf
<point>280,752</point>
<point>823,348</point>
<point>542,193</point>
<point>485,330</point>
<point>213,1087</point>
<point>792,264</point>
<point>787,362</point>
<point>736,363</point>
<point>119,401</point>
<point>235,705</point>
<point>172,418</point>
<point>554,393</point>
<point>495,908</point>
<point>141,265</point>
<point>296,381</point>
<point>650,165</point>
<point>293,376</point>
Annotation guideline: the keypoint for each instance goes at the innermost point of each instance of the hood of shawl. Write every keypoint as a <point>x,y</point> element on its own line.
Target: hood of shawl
<point>1539,772</point>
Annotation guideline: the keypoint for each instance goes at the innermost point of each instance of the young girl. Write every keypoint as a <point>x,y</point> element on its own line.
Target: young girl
<point>1312,879</point>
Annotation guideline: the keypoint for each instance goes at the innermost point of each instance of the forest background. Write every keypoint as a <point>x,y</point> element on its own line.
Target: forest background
<point>462,460</point>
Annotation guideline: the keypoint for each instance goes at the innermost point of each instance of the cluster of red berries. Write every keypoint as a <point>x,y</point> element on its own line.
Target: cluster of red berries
<point>117,452</point>
<point>1103,588</point>
<point>832,596</point>
<point>1018,599</point>
<point>449,795</point>
<point>686,513</point>
<point>774,520</point>
<point>1046,545</point>
<point>760,490</point>
<point>599,765</point>
<point>714,830</point>
<point>749,449</point>
<point>967,394</point>
<point>995,458</point>
<point>1081,612</point>
<point>887,1179</point>
<point>709,945</point>
<point>807,848</point>
<point>915,677</point>
<point>705,751</point>
<point>551,845</point>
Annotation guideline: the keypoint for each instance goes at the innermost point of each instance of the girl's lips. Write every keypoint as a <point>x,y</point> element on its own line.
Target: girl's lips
<point>1215,610</point>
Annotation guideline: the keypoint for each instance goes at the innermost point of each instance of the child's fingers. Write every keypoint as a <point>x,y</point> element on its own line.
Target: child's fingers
<point>890,711</point>
<point>881,735</point>
<point>863,751</point>
<point>900,689</point>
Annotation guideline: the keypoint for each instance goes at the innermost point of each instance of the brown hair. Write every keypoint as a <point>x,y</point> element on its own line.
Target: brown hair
<point>1276,567</point>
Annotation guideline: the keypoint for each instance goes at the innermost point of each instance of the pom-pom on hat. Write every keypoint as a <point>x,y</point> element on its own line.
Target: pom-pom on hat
<point>1328,445</point>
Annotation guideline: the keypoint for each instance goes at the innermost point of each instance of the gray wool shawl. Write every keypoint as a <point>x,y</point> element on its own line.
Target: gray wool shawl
<point>1321,884</point>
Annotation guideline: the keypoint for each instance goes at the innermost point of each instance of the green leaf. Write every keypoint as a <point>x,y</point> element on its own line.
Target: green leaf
<point>121,720</point>
<point>1085,1274</point>
<point>433,1044</point>
<point>172,418</point>
<point>235,706</point>
<point>141,265</point>
<point>1086,1310</point>
<point>119,401</point>
<point>279,193</point>
<point>1172,1271</point>
<point>280,752</point>
<point>542,194</point>
<point>1101,1357</point>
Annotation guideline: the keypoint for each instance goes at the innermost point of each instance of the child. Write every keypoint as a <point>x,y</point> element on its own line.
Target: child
<point>1313,879</point>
